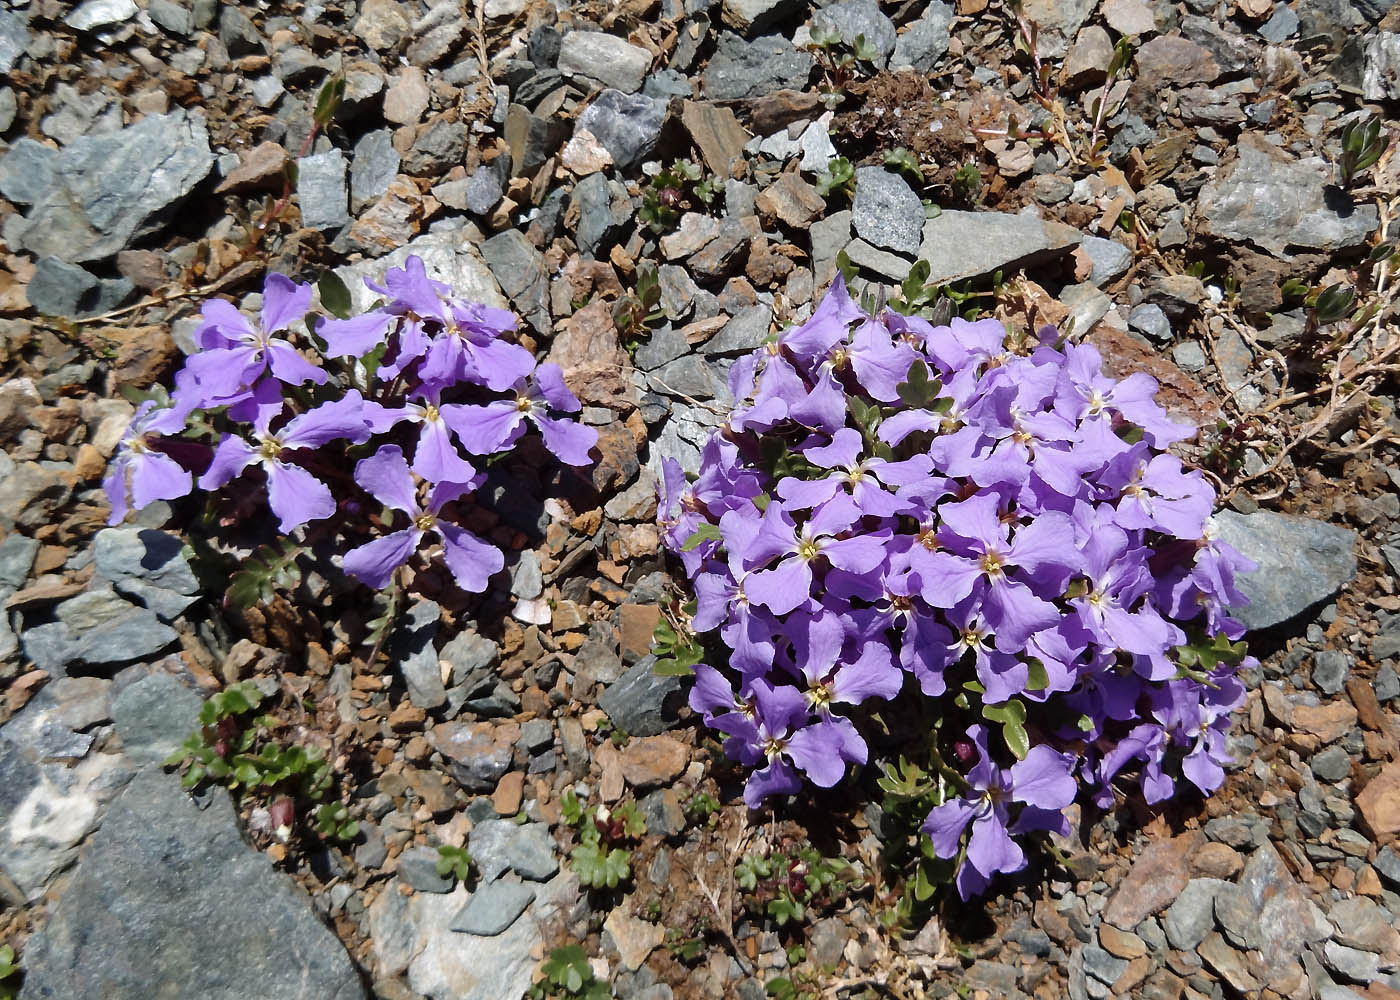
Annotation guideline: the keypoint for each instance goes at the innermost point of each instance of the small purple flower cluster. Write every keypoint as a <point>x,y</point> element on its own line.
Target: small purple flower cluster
<point>421,371</point>
<point>896,507</point>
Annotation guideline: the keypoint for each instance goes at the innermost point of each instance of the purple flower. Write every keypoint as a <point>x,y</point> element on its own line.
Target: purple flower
<point>385,476</point>
<point>495,426</point>
<point>140,474</point>
<point>235,354</point>
<point>1043,783</point>
<point>435,458</point>
<point>295,494</point>
<point>788,584</point>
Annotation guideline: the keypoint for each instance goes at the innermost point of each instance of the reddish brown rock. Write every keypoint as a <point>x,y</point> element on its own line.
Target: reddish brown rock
<point>261,168</point>
<point>1329,722</point>
<point>1379,802</point>
<point>1154,881</point>
<point>654,760</point>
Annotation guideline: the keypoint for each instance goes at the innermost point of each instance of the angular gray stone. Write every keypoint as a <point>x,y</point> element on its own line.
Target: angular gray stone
<point>603,209</point>
<point>96,14</point>
<point>626,124</point>
<point>14,38</point>
<point>134,921</point>
<point>108,190</point>
<point>92,608</point>
<point>746,331</point>
<point>1301,562</point>
<point>27,170</point>
<point>62,289</point>
<point>493,907</point>
<point>417,658</point>
<point>321,190</point>
<point>665,344</point>
<point>640,702</point>
<point>17,554</point>
<point>925,41</point>
<point>167,604</point>
<point>1330,669</point>
<point>887,212</point>
<point>1281,204</point>
<point>417,866</point>
<point>1150,321</point>
<point>1191,916</point>
<point>154,557</point>
<point>748,17</point>
<point>439,147</point>
<point>485,187</point>
<point>740,69</point>
<point>500,845</point>
<point>173,17</point>
<point>520,270</point>
<point>851,18</point>
<point>374,164</point>
<point>1110,259</point>
<point>1057,22</point>
<point>962,245</point>
<point>238,33</point>
<point>154,716</point>
<point>1352,964</point>
<point>532,138</point>
<point>612,61</point>
<point>1380,79</point>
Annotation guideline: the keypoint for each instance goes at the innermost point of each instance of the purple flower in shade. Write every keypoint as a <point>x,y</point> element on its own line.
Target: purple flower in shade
<point>385,476</point>
<point>295,495</point>
<point>1147,743</point>
<point>435,458</point>
<point>832,679</point>
<point>780,740</point>
<point>234,354</point>
<point>978,557</point>
<point>774,390</point>
<point>1197,715</point>
<point>788,584</point>
<point>858,489</point>
<point>140,474</point>
<point>469,348</point>
<point>1043,783</point>
<point>720,599</point>
<point>488,428</point>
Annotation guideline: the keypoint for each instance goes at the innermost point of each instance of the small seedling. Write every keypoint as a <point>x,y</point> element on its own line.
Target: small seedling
<point>838,177</point>
<point>1362,146</point>
<point>905,162</point>
<point>603,857</point>
<point>676,650</point>
<point>638,310</point>
<point>568,974</point>
<point>785,886</point>
<point>700,807</point>
<point>672,192</point>
<point>454,860</point>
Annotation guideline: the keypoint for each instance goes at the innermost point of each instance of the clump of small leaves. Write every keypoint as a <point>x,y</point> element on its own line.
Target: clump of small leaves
<point>1362,145</point>
<point>840,62</point>
<point>635,312</point>
<point>700,807</point>
<point>783,886</point>
<point>9,973</point>
<point>603,857</point>
<point>839,177</point>
<point>967,183</point>
<point>675,647</point>
<point>455,861</point>
<point>905,162</point>
<point>240,747</point>
<point>672,192</point>
<point>567,974</point>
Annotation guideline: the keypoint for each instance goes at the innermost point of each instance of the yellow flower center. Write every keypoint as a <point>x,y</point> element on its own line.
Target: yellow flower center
<point>808,549</point>
<point>523,404</point>
<point>424,521</point>
<point>772,747</point>
<point>271,448</point>
<point>993,564</point>
<point>819,695</point>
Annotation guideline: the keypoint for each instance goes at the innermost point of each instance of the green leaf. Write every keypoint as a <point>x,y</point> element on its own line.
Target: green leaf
<point>328,100</point>
<point>334,295</point>
<point>1037,677</point>
<point>705,532</point>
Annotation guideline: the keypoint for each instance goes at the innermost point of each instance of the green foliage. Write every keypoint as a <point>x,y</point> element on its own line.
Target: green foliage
<point>635,312</point>
<point>335,297</point>
<point>967,183</point>
<point>1333,304</point>
<point>672,192</point>
<point>237,747</point>
<point>567,974</point>
<point>1011,716</point>
<point>603,857</point>
<point>270,568</point>
<point>682,948</point>
<point>676,653</point>
<point>328,101</point>
<point>9,973</point>
<point>784,887</point>
<point>1204,654</point>
<point>700,807</point>
<point>455,860</point>
<point>905,162</point>
<point>838,177</point>
<point>1362,145</point>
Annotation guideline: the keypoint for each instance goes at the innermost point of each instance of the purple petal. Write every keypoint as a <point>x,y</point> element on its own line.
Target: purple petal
<point>814,750</point>
<point>231,457</point>
<point>436,458</point>
<point>340,418</point>
<point>782,588</point>
<point>155,476</point>
<point>711,694</point>
<point>284,302</point>
<point>549,379</point>
<point>569,440</point>
<point>471,560</point>
<point>224,326</point>
<point>778,778</point>
<point>296,496</point>
<point>990,849</point>
<point>373,563</point>
<point>354,337</point>
<point>1045,778</point>
<point>290,367</point>
<point>946,823</point>
<point>385,476</point>
<point>484,429</point>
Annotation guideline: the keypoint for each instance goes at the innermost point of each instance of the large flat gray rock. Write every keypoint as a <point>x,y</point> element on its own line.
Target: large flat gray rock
<point>170,902</point>
<point>962,245</point>
<point>1301,562</point>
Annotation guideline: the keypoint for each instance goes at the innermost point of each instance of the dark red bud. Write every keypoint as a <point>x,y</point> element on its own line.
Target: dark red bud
<point>965,752</point>
<point>283,813</point>
<point>670,197</point>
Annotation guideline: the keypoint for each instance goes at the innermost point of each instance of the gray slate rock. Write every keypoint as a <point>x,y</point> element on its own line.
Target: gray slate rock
<point>746,331</point>
<point>135,923</point>
<point>154,716</point>
<point>925,41</point>
<point>418,867</point>
<point>1192,915</point>
<point>740,69</point>
<point>961,245</point>
<point>417,657</point>
<point>321,192</point>
<point>97,14</point>
<point>493,907</point>
<point>1281,204</point>
<point>1330,670</point>
<point>27,170</point>
<point>438,148</point>
<point>887,212</point>
<point>62,289</point>
<point>500,845</point>
<point>851,18</point>
<point>17,554</point>
<point>748,17</point>
<point>612,61</point>
<point>603,210</point>
<point>105,191</point>
<point>519,268</point>
<point>171,16</point>
<point>1110,259</point>
<point>14,38</point>
<point>640,702</point>
<point>626,124</point>
<point>446,257</point>
<point>374,164</point>
<point>1301,563</point>
<point>144,554</point>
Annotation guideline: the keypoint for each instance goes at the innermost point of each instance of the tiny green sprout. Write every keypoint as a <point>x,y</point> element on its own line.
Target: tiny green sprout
<point>838,177</point>
<point>1333,304</point>
<point>1362,146</point>
<point>905,162</point>
<point>676,652</point>
<point>566,973</point>
<point>333,821</point>
<point>700,807</point>
<point>967,182</point>
<point>454,860</point>
<point>864,51</point>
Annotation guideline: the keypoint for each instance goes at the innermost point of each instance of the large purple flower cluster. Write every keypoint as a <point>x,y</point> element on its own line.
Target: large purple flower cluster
<point>895,507</point>
<point>427,387</point>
